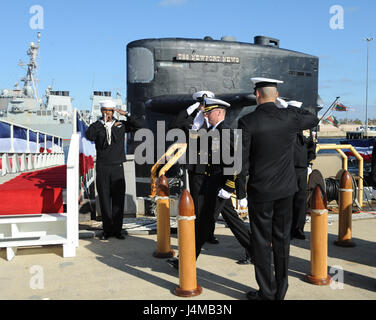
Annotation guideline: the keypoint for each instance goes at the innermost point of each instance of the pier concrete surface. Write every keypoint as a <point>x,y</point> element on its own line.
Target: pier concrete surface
<point>126,269</point>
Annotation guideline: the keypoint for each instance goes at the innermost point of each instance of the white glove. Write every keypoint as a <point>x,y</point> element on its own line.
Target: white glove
<point>192,108</point>
<point>309,171</point>
<point>314,136</point>
<point>243,203</point>
<point>198,121</point>
<point>208,125</point>
<point>224,194</point>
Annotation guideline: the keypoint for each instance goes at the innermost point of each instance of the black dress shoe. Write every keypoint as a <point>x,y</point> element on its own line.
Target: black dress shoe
<point>173,262</point>
<point>246,260</point>
<point>298,234</point>
<point>104,236</point>
<point>213,240</point>
<point>254,295</point>
<point>119,236</point>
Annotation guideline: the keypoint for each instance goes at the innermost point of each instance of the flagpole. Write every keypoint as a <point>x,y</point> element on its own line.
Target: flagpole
<point>331,106</point>
<point>368,41</point>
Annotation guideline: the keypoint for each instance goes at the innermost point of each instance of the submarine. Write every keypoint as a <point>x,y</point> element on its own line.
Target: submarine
<point>163,73</point>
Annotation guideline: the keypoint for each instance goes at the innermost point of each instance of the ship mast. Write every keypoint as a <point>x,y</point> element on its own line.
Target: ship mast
<point>29,80</point>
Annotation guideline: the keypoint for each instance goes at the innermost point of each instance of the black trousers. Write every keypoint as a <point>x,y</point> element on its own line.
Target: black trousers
<point>213,206</point>
<point>111,192</point>
<point>270,229</point>
<point>196,183</point>
<point>197,190</point>
<point>299,202</point>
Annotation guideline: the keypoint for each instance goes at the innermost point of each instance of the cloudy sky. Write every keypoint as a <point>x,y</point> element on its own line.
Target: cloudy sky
<point>83,42</point>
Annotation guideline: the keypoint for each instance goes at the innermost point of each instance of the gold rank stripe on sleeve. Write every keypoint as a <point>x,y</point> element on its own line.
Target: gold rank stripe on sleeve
<point>230,184</point>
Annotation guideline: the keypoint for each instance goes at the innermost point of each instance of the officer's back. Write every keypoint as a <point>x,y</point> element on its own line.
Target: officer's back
<point>273,132</point>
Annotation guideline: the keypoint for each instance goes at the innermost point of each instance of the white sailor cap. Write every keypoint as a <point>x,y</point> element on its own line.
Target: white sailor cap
<point>280,103</point>
<point>211,104</point>
<point>199,94</point>
<point>294,103</point>
<point>260,82</point>
<point>107,104</point>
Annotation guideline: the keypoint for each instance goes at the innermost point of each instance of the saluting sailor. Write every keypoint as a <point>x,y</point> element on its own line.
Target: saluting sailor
<point>268,136</point>
<point>108,133</point>
<point>192,121</point>
<point>219,184</point>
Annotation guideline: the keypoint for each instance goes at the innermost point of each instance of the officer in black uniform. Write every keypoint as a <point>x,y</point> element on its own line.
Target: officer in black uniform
<point>219,184</point>
<point>268,136</point>
<point>304,153</point>
<point>191,121</point>
<point>109,136</point>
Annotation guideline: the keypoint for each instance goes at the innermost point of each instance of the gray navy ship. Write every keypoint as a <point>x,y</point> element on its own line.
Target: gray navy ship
<point>51,113</point>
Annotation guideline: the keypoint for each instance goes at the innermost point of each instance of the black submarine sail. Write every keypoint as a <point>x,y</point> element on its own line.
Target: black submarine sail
<point>163,73</point>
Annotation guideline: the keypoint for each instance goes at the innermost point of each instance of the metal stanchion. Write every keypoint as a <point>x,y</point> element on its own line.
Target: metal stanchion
<point>319,239</point>
<point>163,220</point>
<point>187,251</point>
<point>345,211</point>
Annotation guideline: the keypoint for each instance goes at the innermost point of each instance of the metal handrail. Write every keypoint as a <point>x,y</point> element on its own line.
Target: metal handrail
<point>181,147</point>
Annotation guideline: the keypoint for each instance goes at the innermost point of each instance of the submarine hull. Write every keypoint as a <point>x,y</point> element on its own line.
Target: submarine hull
<point>162,75</point>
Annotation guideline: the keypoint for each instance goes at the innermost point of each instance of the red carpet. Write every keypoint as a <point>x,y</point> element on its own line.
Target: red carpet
<point>34,192</point>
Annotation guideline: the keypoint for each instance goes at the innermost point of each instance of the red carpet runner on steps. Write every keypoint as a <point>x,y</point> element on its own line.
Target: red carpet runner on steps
<point>34,192</point>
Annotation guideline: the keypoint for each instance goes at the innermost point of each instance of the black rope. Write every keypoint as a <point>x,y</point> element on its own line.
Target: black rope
<point>332,191</point>
<point>332,188</point>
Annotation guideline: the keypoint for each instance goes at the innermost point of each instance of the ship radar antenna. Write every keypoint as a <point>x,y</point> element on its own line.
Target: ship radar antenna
<point>29,80</point>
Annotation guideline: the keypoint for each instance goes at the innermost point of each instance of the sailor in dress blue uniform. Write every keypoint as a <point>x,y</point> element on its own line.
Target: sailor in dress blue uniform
<point>268,136</point>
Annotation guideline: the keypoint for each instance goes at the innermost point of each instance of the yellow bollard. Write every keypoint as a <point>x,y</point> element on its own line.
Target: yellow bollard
<point>319,239</point>
<point>187,248</point>
<point>345,211</point>
<point>163,220</point>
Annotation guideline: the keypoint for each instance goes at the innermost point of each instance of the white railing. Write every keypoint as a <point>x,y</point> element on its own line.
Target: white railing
<point>20,151</point>
<point>47,229</point>
<point>73,166</point>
